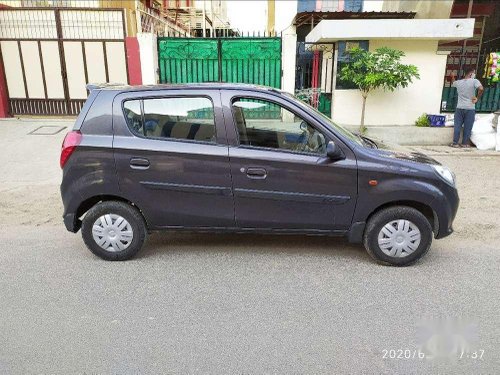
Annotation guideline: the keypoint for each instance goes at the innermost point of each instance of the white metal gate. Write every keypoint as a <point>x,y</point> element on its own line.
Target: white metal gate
<point>49,55</point>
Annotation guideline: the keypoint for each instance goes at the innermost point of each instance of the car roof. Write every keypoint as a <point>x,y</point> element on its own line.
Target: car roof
<point>120,87</point>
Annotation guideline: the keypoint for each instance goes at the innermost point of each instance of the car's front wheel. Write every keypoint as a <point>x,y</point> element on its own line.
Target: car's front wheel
<point>113,230</point>
<point>398,236</point>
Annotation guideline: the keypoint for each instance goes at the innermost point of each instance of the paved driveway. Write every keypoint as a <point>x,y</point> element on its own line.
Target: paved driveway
<point>197,303</point>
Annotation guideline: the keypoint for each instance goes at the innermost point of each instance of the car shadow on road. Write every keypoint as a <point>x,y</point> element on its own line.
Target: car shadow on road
<point>168,242</point>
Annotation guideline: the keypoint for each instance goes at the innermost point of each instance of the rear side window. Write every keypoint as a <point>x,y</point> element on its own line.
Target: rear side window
<point>172,118</point>
<point>132,110</point>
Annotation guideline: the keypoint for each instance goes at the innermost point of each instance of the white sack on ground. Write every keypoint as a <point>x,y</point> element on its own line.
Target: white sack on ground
<point>483,135</point>
<point>498,138</point>
<point>450,120</point>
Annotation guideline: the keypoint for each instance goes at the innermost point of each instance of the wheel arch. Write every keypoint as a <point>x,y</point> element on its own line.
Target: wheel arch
<point>423,208</point>
<point>90,202</point>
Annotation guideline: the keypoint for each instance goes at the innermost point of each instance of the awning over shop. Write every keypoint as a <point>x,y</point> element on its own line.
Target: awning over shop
<point>418,29</point>
<point>314,17</point>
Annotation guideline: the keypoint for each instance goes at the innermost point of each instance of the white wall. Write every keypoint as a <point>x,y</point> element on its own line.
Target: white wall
<point>149,58</point>
<point>403,106</point>
<point>288,59</point>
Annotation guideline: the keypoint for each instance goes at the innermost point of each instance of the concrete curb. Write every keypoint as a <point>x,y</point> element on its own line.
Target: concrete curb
<point>449,151</point>
<point>409,135</point>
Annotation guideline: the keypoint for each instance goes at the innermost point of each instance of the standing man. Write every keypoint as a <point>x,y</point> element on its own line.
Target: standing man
<point>466,105</point>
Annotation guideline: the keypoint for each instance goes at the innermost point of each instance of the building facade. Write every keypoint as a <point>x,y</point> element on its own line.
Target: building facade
<point>428,32</point>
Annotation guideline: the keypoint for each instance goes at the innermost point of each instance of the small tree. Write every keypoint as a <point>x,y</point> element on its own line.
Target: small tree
<point>380,69</point>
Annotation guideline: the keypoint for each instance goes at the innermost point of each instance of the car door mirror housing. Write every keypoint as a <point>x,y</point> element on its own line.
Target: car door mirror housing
<point>333,151</point>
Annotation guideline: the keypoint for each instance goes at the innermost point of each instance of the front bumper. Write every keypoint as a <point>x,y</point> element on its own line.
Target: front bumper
<point>445,208</point>
<point>72,223</point>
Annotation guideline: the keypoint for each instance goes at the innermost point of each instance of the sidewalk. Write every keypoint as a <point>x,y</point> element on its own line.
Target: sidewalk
<point>447,150</point>
<point>30,150</point>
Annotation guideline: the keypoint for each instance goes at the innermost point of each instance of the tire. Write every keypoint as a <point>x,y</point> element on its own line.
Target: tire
<point>118,226</point>
<point>379,239</point>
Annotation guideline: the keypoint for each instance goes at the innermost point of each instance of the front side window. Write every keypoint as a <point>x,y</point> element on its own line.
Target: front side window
<point>266,124</point>
<point>173,118</point>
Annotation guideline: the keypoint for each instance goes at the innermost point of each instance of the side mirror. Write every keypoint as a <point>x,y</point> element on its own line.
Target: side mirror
<point>334,152</point>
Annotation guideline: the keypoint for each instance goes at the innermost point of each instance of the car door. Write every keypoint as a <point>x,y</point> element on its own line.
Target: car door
<point>282,178</point>
<point>172,158</point>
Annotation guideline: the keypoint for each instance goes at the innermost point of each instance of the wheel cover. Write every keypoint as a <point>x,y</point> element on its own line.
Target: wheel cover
<point>112,232</point>
<point>399,238</point>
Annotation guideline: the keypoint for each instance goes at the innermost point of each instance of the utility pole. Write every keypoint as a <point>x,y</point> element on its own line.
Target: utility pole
<point>204,23</point>
<point>212,17</point>
<point>270,16</point>
<point>463,59</point>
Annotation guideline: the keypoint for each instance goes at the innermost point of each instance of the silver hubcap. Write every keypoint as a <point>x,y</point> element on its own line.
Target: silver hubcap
<point>112,232</point>
<point>399,238</point>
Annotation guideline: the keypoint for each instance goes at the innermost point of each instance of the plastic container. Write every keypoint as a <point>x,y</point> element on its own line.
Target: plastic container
<point>437,120</point>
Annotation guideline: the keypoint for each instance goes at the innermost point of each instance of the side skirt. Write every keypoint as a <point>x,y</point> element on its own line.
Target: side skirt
<point>313,232</point>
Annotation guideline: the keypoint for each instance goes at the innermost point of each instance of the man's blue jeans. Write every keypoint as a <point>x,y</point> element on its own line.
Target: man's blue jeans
<point>465,118</point>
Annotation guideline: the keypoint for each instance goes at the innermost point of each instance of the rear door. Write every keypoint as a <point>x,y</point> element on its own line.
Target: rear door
<point>282,178</point>
<point>172,157</point>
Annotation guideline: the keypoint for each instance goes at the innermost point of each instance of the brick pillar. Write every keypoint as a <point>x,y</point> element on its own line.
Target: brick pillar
<point>4,104</point>
<point>133,61</point>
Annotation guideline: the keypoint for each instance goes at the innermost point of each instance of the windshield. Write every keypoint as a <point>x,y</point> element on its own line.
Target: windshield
<point>348,134</point>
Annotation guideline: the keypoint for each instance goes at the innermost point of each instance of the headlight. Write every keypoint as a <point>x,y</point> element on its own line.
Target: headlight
<point>445,173</point>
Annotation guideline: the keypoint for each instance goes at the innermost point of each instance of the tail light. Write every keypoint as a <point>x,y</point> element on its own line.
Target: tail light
<point>71,141</point>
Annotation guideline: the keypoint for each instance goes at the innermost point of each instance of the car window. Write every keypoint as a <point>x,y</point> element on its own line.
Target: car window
<point>132,110</point>
<point>175,118</point>
<point>266,124</point>
<point>345,132</point>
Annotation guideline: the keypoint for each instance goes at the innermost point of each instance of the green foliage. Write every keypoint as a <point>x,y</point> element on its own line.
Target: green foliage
<point>373,70</point>
<point>423,121</point>
<point>380,69</point>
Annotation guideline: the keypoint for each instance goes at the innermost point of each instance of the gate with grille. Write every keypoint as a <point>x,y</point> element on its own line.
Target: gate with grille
<point>49,55</point>
<point>238,60</point>
<point>458,62</point>
<point>313,75</point>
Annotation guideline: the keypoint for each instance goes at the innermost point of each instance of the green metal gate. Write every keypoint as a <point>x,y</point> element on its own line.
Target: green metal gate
<point>237,60</point>
<point>489,102</point>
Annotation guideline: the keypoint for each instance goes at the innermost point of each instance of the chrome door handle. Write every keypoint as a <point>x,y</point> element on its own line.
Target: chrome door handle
<point>139,163</point>
<point>256,173</point>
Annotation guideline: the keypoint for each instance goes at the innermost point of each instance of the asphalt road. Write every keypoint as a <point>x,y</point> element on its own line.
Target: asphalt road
<point>199,303</point>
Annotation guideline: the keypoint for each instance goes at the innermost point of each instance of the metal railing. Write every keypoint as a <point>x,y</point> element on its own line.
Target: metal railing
<point>234,59</point>
<point>459,62</point>
<point>313,75</point>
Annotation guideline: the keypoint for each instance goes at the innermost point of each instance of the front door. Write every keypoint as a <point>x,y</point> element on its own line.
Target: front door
<point>172,157</point>
<point>282,178</point>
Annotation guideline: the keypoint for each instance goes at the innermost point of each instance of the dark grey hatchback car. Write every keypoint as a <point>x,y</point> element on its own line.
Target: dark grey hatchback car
<point>225,157</point>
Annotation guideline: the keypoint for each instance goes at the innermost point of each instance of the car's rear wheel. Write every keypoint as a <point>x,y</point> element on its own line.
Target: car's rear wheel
<point>113,230</point>
<point>398,236</point>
